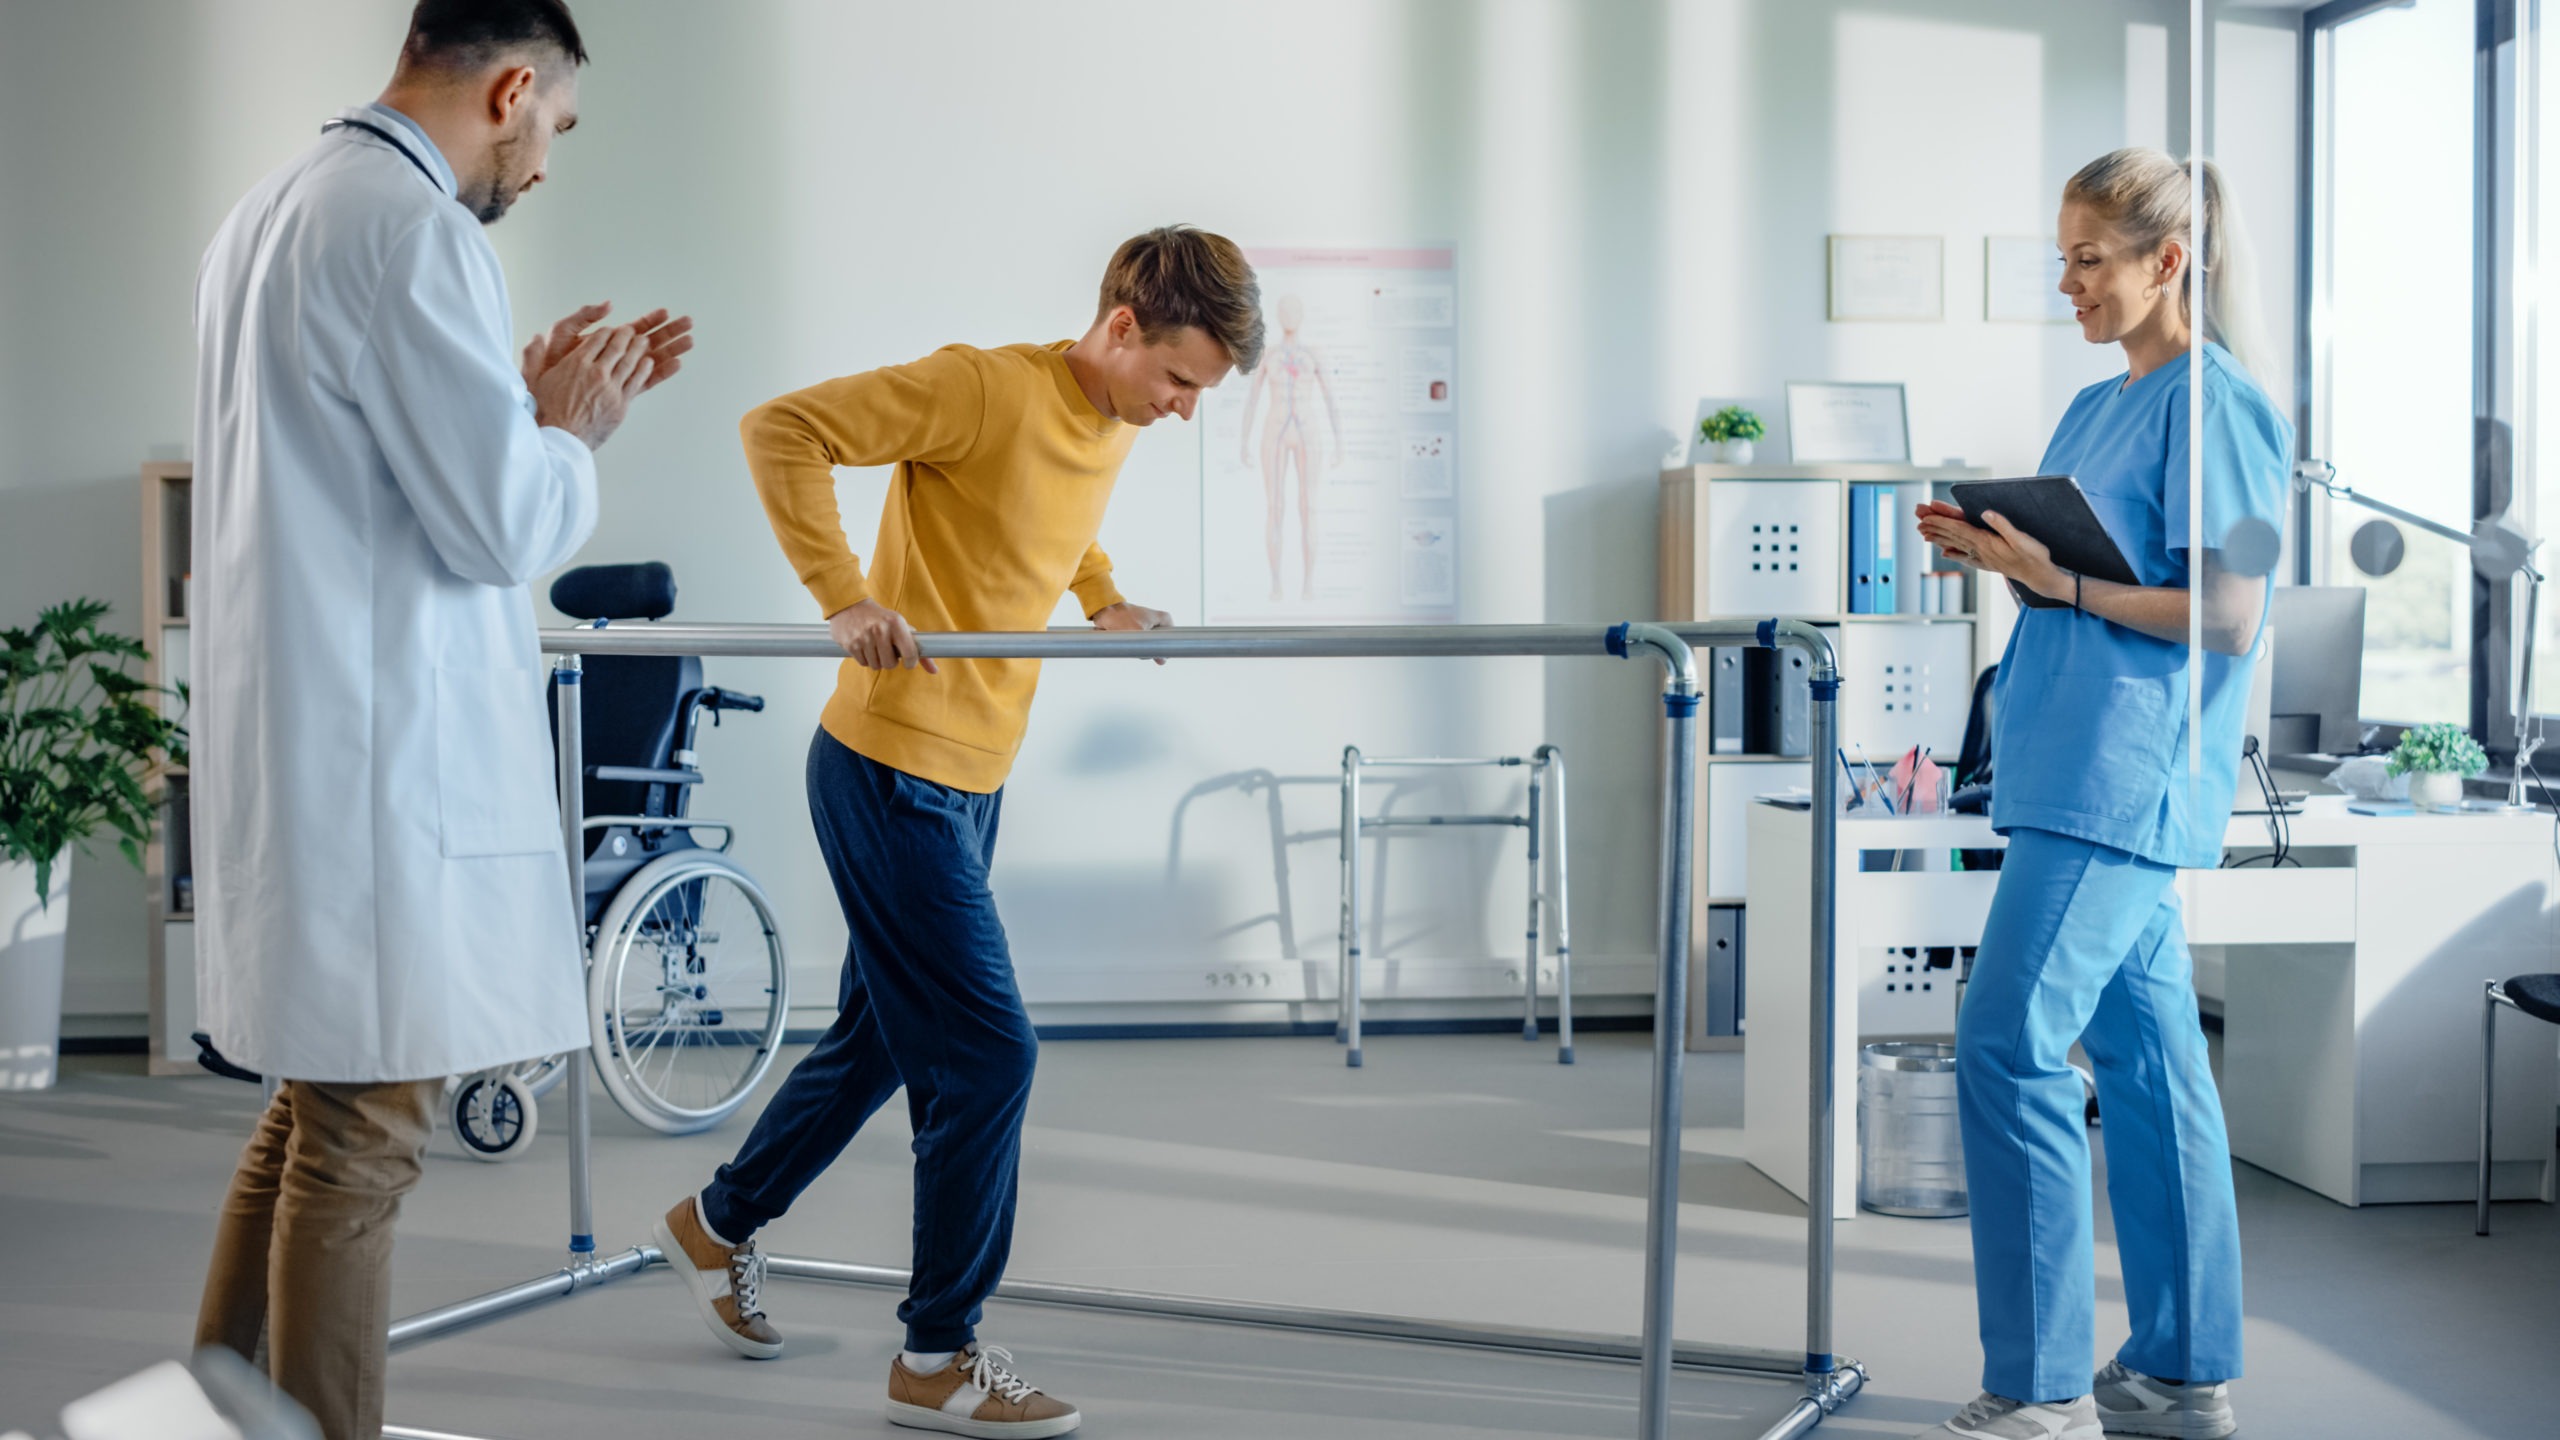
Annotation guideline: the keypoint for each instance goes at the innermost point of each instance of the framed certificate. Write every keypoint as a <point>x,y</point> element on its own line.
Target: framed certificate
<point>1830,424</point>
<point>2019,275</point>
<point>1888,277</point>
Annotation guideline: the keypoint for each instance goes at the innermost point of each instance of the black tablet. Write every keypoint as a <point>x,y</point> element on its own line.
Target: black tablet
<point>2052,509</point>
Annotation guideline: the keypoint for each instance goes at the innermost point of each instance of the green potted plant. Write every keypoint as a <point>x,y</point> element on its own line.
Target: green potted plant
<point>2436,757</point>
<point>1731,431</point>
<point>79,740</point>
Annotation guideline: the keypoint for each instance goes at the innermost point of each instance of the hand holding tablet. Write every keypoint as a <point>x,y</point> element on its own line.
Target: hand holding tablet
<point>2038,533</point>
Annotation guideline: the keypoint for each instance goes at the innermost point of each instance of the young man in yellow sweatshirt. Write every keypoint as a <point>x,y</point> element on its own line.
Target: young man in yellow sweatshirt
<point>1005,459</point>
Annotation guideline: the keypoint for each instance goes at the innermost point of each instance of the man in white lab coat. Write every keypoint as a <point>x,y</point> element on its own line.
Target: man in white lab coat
<point>382,898</point>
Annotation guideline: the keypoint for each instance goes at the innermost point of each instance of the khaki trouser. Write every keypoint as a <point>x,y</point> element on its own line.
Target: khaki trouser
<point>303,1252</point>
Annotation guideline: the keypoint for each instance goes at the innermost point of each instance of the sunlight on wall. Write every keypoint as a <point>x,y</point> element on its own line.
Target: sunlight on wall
<point>1711,344</point>
<point>2146,85</point>
<point>1976,167</point>
<point>2256,73</point>
<point>1522,277</point>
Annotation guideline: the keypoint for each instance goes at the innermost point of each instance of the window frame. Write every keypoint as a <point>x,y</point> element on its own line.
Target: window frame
<point>2502,320</point>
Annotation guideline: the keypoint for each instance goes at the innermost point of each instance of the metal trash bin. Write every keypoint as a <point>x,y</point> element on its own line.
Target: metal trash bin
<point>1910,1149</point>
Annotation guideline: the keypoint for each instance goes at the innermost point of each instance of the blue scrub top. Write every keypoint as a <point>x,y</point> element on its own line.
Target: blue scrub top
<point>2089,733</point>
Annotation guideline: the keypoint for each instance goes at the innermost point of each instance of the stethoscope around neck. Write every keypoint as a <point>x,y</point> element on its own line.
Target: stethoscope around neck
<point>387,138</point>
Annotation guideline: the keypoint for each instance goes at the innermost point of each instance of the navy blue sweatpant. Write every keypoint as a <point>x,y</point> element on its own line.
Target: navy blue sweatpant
<point>928,1002</point>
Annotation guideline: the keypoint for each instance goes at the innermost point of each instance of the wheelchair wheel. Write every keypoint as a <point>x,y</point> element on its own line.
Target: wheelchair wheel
<point>542,1076</point>
<point>687,991</point>
<point>493,1115</point>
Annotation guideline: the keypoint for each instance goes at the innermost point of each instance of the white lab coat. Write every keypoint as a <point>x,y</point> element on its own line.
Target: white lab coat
<point>380,887</point>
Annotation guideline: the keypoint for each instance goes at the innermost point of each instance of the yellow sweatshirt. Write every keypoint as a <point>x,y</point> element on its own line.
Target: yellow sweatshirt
<point>1004,468</point>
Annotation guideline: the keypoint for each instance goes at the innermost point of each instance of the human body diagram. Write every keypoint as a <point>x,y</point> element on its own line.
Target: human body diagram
<point>1295,375</point>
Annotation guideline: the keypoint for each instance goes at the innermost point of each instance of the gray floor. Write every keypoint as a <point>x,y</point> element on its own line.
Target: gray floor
<point>1462,1176</point>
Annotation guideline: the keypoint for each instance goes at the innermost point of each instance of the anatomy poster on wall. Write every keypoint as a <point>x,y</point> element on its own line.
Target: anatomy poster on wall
<point>1329,482</point>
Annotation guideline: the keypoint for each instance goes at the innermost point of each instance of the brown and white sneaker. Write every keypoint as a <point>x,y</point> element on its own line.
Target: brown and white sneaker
<point>724,1280</point>
<point>975,1394</point>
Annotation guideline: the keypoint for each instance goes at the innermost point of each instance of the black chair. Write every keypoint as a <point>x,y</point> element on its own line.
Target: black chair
<point>2534,995</point>
<point>1973,754</point>
<point>637,725</point>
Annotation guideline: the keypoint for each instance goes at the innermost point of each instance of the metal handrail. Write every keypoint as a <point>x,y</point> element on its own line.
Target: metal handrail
<point>1829,1380</point>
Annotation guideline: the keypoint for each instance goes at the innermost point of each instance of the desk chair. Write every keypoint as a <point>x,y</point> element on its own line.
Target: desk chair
<point>2535,995</point>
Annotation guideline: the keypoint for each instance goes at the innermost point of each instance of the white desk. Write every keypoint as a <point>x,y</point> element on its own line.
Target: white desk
<point>2351,1010</point>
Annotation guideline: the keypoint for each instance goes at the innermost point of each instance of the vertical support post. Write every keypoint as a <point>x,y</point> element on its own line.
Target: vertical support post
<point>1529,969</point>
<point>1351,902</point>
<point>1342,936</point>
<point>1554,759</point>
<point>1819,1363</point>
<point>1662,1193</point>
<point>568,716</point>
<point>2488,1089</point>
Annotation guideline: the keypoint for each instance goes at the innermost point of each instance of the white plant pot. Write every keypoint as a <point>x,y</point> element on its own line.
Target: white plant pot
<point>2435,790</point>
<point>31,950</point>
<point>1733,452</point>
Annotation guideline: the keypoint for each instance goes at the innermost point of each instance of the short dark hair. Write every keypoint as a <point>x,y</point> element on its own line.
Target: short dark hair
<point>1177,276</point>
<point>467,34</point>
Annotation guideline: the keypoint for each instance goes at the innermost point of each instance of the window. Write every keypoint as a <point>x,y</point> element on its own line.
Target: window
<point>2390,118</point>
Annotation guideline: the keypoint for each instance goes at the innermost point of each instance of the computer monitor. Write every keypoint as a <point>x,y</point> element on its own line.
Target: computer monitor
<point>2319,669</point>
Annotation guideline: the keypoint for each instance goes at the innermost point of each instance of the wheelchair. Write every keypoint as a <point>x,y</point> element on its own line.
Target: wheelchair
<point>687,984</point>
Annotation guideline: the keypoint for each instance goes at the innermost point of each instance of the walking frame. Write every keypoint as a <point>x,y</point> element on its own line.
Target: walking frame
<point>1829,1380</point>
<point>1546,769</point>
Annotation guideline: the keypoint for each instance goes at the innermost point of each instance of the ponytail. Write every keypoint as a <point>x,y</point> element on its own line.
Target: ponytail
<point>2148,198</point>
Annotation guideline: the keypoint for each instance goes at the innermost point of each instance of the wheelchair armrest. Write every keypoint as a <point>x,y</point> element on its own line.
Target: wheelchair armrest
<point>641,775</point>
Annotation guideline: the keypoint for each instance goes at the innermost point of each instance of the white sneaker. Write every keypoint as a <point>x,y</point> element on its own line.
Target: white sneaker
<point>2132,1403</point>
<point>1997,1417</point>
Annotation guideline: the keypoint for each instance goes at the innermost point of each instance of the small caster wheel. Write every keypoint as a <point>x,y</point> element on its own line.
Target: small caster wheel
<point>493,1116</point>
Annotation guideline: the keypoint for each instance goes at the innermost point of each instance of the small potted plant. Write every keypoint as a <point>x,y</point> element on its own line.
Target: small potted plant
<point>2436,757</point>
<point>1731,431</point>
<point>79,739</point>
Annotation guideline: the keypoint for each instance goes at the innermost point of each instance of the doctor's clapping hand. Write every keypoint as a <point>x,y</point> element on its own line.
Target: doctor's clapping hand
<point>2003,549</point>
<point>584,379</point>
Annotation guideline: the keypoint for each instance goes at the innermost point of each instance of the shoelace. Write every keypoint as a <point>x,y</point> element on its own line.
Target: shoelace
<point>2149,1389</point>
<point>1984,1408</point>
<point>989,1375</point>
<point>746,1279</point>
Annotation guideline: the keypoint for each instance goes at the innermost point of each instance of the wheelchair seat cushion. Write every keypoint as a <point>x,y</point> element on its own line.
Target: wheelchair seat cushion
<point>646,591</point>
<point>2537,996</point>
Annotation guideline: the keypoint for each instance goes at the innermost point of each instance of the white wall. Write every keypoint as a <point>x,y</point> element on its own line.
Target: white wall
<point>1638,193</point>
<point>2256,94</point>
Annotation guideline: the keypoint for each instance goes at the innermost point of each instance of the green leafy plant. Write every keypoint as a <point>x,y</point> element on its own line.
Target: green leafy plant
<point>1731,423</point>
<point>2438,747</point>
<point>79,737</point>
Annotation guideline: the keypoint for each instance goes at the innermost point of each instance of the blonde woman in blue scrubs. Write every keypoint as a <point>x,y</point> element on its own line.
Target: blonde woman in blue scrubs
<point>2095,795</point>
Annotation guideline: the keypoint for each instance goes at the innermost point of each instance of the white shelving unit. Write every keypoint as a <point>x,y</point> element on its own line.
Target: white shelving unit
<point>166,490</point>
<point>1921,665</point>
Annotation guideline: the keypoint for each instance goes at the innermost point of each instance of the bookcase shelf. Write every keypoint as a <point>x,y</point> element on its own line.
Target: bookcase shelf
<point>1875,650</point>
<point>168,862</point>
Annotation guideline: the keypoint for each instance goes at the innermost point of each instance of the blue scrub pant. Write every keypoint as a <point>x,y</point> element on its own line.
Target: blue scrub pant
<point>2085,943</point>
<point>929,1002</point>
